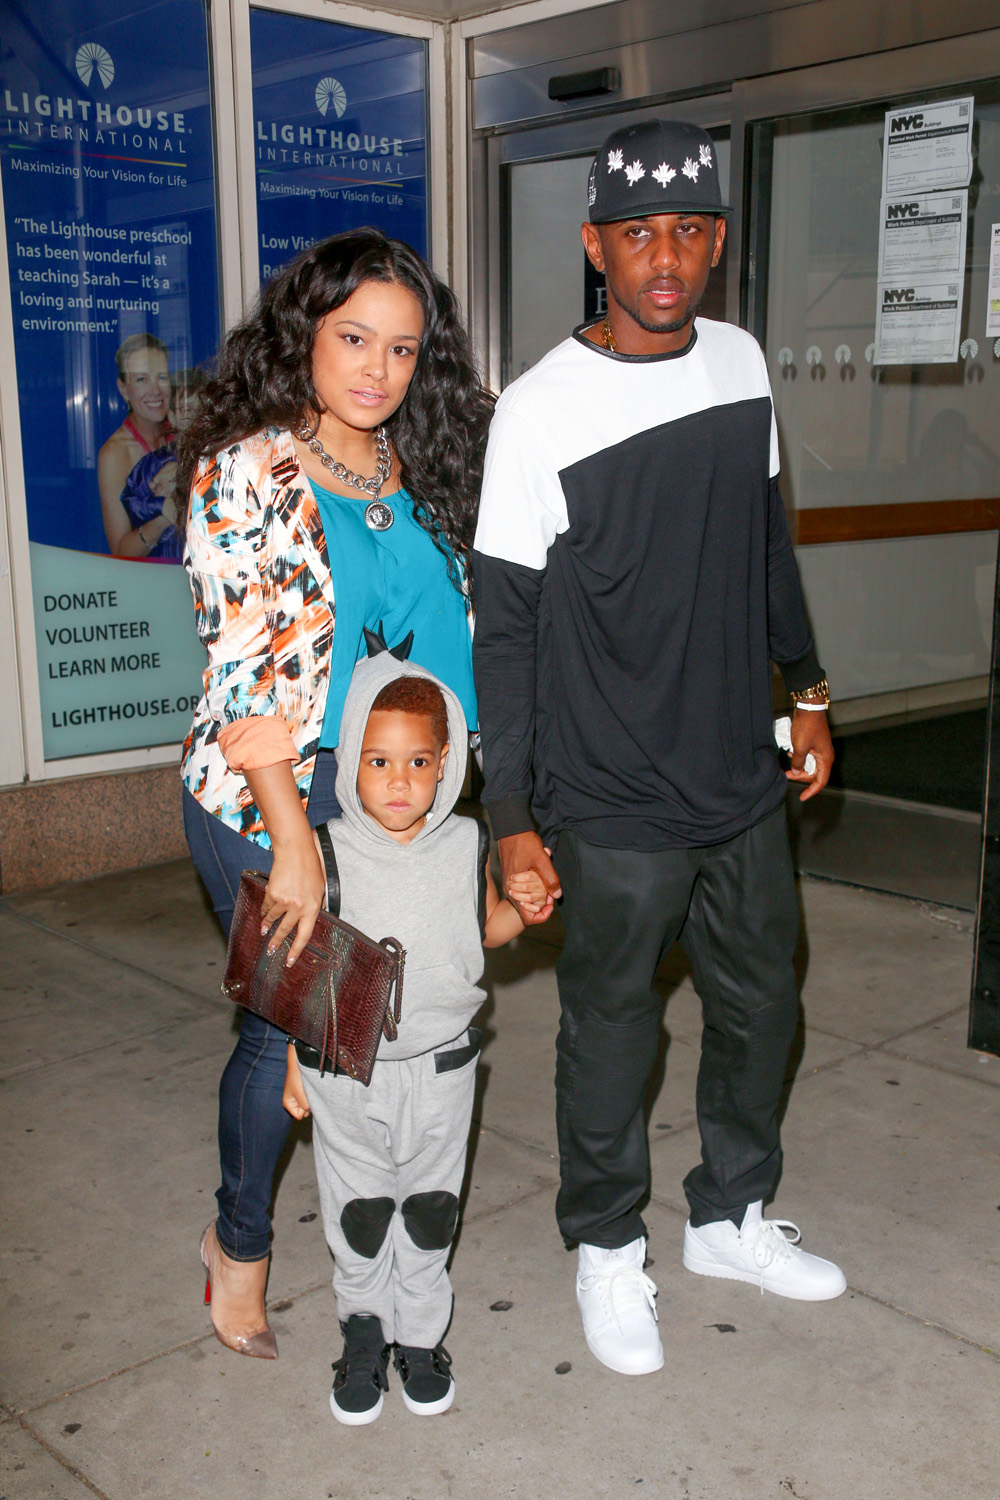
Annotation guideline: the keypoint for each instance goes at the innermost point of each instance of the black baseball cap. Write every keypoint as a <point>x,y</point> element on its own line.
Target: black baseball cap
<point>658,167</point>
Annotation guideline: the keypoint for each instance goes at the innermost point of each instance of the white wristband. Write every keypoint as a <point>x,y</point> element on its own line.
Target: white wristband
<point>812,708</point>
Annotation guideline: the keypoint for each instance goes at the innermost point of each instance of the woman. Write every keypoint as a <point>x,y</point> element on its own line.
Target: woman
<point>336,456</point>
<point>140,514</point>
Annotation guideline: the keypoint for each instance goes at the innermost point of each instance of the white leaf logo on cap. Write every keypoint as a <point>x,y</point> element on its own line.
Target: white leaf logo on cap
<point>615,161</point>
<point>704,156</point>
<point>635,172</point>
<point>664,174</point>
<point>691,169</point>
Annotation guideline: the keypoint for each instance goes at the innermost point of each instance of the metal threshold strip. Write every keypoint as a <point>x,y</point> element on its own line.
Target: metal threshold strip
<point>909,849</point>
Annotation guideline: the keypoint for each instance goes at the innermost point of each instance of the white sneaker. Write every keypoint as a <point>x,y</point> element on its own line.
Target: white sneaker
<point>761,1251</point>
<point>616,1299</point>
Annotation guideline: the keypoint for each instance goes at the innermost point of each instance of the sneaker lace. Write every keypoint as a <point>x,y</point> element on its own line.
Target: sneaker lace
<point>410,1361</point>
<point>771,1244</point>
<point>624,1289</point>
<point>365,1362</point>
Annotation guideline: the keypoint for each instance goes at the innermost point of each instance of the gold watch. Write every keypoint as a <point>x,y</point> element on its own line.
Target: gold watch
<point>820,689</point>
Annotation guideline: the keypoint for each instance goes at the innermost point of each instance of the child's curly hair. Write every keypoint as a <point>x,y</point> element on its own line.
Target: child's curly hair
<point>415,695</point>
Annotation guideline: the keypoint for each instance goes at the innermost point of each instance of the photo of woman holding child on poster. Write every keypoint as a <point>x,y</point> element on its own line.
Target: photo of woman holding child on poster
<point>137,465</point>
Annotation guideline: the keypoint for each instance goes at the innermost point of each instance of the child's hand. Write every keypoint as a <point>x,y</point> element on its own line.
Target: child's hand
<point>528,890</point>
<point>294,1095</point>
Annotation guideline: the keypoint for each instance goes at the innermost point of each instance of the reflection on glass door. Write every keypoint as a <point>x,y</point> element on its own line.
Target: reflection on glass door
<point>551,287</point>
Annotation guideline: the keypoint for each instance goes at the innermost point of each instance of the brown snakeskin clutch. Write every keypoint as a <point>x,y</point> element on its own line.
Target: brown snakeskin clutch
<point>343,992</point>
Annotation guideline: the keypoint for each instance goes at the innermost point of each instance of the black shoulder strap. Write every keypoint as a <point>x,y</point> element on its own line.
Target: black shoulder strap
<point>332,873</point>
<point>483,863</point>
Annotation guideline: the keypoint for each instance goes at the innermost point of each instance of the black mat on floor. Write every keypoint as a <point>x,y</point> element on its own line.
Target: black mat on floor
<point>940,761</point>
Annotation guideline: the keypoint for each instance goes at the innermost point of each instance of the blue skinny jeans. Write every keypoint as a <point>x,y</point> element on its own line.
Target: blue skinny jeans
<point>253,1123</point>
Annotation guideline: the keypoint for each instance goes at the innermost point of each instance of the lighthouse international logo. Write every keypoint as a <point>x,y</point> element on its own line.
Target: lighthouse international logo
<point>93,58</point>
<point>330,95</point>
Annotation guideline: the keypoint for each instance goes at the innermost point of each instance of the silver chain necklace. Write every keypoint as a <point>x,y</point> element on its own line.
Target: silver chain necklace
<point>378,515</point>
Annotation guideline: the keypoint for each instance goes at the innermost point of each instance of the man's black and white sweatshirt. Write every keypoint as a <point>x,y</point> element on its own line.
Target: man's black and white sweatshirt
<point>634,576</point>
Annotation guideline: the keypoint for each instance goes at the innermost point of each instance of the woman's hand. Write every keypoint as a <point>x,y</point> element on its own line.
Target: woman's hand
<point>295,891</point>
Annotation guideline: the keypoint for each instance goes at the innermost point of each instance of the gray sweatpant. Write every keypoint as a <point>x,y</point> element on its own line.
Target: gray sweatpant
<point>390,1160</point>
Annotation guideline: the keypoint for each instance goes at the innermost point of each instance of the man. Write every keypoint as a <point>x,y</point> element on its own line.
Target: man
<point>634,575</point>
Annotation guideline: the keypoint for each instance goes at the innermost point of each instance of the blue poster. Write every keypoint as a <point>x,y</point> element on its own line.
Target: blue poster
<point>107,163</point>
<point>340,123</point>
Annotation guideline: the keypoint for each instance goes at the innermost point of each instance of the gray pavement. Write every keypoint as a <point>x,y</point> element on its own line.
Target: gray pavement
<point>111,1383</point>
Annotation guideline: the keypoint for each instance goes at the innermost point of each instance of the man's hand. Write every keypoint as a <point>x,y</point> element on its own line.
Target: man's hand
<point>811,736</point>
<point>519,853</point>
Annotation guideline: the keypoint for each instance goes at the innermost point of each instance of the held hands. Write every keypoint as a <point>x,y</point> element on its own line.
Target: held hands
<point>527,891</point>
<point>811,736</point>
<point>530,881</point>
<point>294,895</point>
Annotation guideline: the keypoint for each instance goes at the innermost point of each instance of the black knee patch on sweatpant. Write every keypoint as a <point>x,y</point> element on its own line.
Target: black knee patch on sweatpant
<point>431,1219</point>
<point>365,1222</point>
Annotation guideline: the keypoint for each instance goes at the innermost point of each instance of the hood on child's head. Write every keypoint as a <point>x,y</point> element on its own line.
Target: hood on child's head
<point>370,677</point>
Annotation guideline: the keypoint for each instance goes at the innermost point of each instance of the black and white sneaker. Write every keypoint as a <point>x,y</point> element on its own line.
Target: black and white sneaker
<point>427,1384</point>
<point>359,1375</point>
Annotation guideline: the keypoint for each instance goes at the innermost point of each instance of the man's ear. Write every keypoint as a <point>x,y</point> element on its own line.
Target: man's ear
<point>720,239</point>
<point>444,756</point>
<point>590,234</point>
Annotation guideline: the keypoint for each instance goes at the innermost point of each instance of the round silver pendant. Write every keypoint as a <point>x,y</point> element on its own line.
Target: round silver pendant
<point>379,516</point>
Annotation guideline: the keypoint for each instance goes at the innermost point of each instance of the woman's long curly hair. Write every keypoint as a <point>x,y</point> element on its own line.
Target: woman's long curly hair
<point>264,378</point>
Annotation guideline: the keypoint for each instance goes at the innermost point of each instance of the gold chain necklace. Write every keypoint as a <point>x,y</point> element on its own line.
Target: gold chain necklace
<point>609,338</point>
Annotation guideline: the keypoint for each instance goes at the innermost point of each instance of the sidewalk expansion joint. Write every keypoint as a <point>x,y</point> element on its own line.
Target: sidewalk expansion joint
<point>516,1140</point>
<point>118,1041</point>
<point>501,1208</point>
<point>112,958</point>
<point>931,1323</point>
<point>89,1385</point>
<point>61,1458</point>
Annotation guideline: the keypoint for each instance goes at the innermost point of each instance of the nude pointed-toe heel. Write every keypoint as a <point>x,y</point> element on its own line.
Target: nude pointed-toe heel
<point>245,1330</point>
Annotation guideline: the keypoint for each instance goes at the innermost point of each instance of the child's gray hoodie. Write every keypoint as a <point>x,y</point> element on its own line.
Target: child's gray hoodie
<point>425,893</point>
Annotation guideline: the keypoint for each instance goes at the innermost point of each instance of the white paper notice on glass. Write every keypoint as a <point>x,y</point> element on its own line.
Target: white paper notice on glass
<point>927,147</point>
<point>918,322</point>
<point>923,235</point>
<point>993,288</point>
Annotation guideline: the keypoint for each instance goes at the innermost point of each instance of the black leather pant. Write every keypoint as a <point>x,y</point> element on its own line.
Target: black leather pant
<point>734,909</point>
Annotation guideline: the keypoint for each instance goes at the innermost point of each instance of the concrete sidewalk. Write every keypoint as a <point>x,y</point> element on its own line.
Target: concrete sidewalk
<point>114,1036</point>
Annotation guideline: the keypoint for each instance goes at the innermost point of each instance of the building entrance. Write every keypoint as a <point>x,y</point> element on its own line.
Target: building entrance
<point>890,463</point>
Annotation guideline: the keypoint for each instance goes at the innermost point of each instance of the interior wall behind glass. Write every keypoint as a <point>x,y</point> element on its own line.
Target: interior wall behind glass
<point>548,203</point>
<point>547,295</point>
<point>908,611</point>
<point>852,433</point>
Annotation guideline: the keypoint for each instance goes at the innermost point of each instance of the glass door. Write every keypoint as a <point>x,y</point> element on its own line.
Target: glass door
<point>872,307</point>
<point>542,285</point>
<point>552,287</point>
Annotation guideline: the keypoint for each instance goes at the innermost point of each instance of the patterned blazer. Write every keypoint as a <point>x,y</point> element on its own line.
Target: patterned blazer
<point>264,607</point>
<point>260,574</point>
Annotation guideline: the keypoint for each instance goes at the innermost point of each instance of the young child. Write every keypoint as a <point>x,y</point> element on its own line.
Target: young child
<point>390,1158</point>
